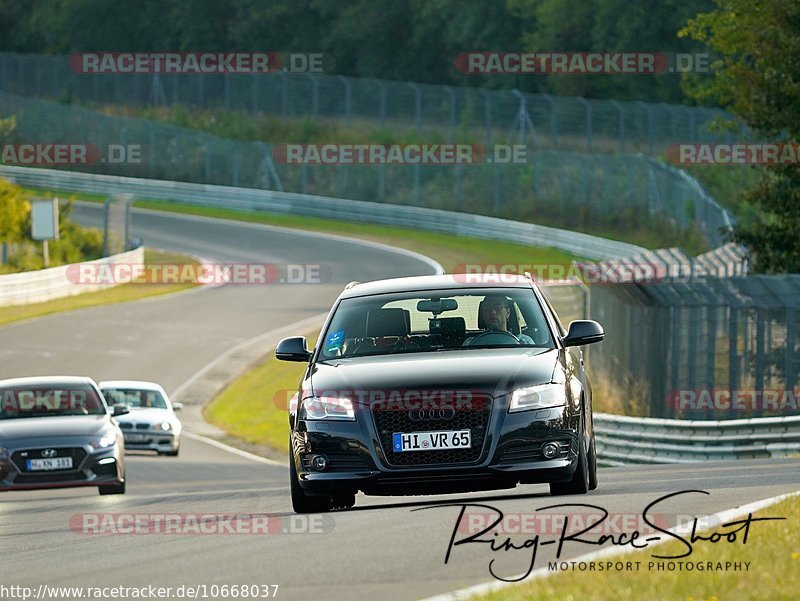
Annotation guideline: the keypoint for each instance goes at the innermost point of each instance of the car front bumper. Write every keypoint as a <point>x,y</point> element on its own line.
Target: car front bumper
<point>511,454</point>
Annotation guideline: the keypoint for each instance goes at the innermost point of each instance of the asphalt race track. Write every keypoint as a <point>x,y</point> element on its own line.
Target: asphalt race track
<point>381,549</point>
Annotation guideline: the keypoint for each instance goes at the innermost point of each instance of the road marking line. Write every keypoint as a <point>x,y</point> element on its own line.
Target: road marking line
<point>712,521</point>
<point>234,450</point>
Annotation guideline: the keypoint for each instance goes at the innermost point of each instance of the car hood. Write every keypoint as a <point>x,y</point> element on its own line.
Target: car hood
<point>50,427</point>
<point>497,371</point>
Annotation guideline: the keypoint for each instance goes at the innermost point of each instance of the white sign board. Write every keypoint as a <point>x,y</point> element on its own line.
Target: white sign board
<point>44,219</point>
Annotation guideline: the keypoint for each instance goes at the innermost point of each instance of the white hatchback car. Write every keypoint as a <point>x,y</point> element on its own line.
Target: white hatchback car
<point>151,424</point>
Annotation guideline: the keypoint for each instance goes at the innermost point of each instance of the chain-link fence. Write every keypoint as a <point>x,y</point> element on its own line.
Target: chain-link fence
<point>715,349</point>
<point>559,187</point>
<point>440,112</point>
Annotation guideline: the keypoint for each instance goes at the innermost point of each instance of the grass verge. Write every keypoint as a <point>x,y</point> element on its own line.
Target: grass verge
<point>118,294</point>
<point>253,408</point>
<point>772,549</point>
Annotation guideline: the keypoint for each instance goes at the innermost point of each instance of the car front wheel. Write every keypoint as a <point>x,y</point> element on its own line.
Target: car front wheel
<point>579,484</point>
<point>301,502</point>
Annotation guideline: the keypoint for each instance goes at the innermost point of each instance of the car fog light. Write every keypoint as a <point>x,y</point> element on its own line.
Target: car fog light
<point>549,450</point>
<point>319,462</point>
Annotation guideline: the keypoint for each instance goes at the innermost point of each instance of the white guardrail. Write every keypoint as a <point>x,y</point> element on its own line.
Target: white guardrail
<point>625,440</point>
<point>55,282</point>
<point>251,199</point>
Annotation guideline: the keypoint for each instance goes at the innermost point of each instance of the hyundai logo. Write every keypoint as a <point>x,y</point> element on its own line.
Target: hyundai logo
<point>49,453</point>
<point>440,414</point>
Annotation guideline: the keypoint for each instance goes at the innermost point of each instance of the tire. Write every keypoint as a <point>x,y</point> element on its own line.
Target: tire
<point>343,501</point>
<point>579,484</point>
<point>592,466</point>
<point>301,502</point>
<point>112,489</point>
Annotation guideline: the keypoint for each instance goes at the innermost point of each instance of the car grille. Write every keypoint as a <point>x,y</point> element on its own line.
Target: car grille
<point>20,459</point>
<point>474,418</point>
<point>49,478</point>
<point>125,425</point>
<point>531,451</point>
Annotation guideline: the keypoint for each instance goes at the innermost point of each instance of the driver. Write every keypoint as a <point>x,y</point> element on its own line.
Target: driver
<point>495,311</point>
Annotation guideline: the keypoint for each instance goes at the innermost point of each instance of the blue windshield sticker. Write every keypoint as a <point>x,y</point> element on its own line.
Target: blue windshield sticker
<point>334,341</point>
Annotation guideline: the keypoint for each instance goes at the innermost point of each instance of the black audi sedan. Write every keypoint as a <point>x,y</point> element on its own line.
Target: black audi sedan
<point>440,384</point>
<point>58,431</point>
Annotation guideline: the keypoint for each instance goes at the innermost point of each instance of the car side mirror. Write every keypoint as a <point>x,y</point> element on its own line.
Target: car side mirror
<point>583,331</point>
<point>121,409</point>
<point>177,406</point>
<point>293,349</point>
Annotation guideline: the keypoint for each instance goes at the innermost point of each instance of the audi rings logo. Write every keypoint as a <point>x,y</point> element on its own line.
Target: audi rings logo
<point>438,414</point>
<point>49,453</point>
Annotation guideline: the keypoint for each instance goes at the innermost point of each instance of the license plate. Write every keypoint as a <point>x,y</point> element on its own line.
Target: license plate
<point>431,441</point>
<point>51,463</point>
<point>135,438</point>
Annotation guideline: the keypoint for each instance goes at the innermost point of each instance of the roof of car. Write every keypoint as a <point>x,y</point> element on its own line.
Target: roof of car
<point>46,381</point>
<point>134,384</point>
<point>437,282</point>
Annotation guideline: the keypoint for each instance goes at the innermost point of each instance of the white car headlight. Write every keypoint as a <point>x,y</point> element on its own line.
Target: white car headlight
<point>162,426</point>
<point>323,407</point>
<point>107,440</point>
<point>537,397</point>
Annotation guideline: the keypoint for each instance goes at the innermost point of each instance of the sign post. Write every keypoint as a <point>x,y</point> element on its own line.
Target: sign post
<point>44,223</point>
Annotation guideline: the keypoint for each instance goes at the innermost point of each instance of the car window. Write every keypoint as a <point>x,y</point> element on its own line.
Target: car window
<point>135,398</point>
<point>436,320</point>
<point>48,401</point>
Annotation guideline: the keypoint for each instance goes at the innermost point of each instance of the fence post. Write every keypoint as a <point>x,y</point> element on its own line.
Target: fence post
<point>417,106</point>
<point>649,111</point>
<point>381,100</point>
<point>452,96</point>
<point>226,80</point>
<point>284,95</point>
<point>487,115</point>
<point>254,88</point>
<point>621,112</point>
<point>588,107</point>
<point>348,100</point>
<point>521,112</point>
<point>314,95</point>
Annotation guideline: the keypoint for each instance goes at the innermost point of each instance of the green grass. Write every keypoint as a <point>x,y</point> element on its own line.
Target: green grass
<point>773,550</point>
<point>118,294</point>
<point>254,407</point>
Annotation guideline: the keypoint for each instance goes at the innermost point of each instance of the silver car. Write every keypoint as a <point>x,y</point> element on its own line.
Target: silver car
<point>59,432</point>
<point>151,424</point>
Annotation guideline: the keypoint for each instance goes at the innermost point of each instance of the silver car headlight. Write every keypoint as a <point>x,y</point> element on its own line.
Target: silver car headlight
<point>324,407</point>
<point>537,397</point>
<point>162,426</point>
<point>108,439</point>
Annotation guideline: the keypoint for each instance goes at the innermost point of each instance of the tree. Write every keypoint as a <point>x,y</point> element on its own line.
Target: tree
<point>757,78</point>
<point>14,209</point>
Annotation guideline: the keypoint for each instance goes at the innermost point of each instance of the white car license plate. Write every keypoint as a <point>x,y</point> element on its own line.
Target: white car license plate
<point>134,438</point>
<point>431,441</point>
<point>51,463</point>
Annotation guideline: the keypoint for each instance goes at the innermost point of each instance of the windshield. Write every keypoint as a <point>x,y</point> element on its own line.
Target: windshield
<point>59,400</point>
<point>135,398</point>
<point>437,320</point>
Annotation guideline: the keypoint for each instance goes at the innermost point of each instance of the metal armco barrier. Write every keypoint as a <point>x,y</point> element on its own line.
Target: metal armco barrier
<point>251,199</point>
<point>49,284</point>
<point>625,440</point>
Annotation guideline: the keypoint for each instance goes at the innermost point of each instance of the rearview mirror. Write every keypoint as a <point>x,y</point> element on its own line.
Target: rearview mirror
<point>177,406</point>
<point>583,331</point>
<point>293,349</point>
<point>120,409</point>
<point>436,306</point>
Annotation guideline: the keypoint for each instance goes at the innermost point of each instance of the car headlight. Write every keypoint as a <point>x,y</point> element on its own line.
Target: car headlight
<point>162,426</point>
<point>322,407</point>
<point>107,440</point>
<point>537,397</point>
